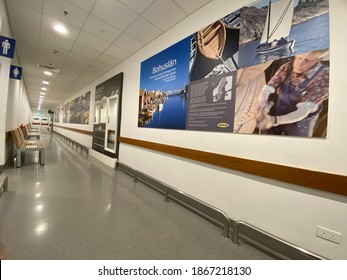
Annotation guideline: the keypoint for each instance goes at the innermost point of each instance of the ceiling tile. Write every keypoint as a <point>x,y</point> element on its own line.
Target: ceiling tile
<point>25,14</point>
<point>24,31</point>
<point>80,83</point>
<point>51,61</point>
<point>191,6</point>
<point>76,16</point>
<point>117,52</point>
<point>34,4</point>
<point>54,50</point>
<point>74,57</point>
<point>127,42</point>
<point>108,59</point>
<point>48,56</point>
<point>73,67</point>
<point>164,14</point>
<point>64,80</point>
<point>114,13</point>
<point>27,59</point>
<point>137,5</point>
<point>86,51</point>
<point>101,29</point>
<point>56,40</point>
<point>49,22</point>
<point>90,76</point>
<point>93,42</point>
<point>99,67</point>
<point>143,30</point>
<point>83,4</point>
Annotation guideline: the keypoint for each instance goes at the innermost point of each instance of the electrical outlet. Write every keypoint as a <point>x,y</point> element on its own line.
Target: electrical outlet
<point>329,234</point>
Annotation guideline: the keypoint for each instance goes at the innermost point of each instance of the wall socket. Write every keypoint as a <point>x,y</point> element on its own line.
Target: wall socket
<point>329,234</point>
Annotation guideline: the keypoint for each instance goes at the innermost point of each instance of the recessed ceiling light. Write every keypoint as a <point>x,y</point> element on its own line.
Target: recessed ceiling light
<point>45,82</point>
<point>60,28</point>
<point>47,73</point>
<point>43,88</point>
<point>42,93</point>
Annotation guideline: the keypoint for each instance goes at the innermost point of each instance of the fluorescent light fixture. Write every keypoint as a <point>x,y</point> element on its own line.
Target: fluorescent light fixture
<point>48,73</point>
<point>43,88</point>
<point>60,29</point>
<point>42,93</point>
<point>45,82</point>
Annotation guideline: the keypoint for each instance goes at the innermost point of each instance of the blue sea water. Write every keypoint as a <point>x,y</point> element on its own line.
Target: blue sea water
<point>310,35</point>
<point>173,115</point>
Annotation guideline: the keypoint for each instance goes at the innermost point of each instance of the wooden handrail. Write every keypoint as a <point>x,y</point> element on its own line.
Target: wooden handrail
<point>328,182</point>
<point>87,132</point>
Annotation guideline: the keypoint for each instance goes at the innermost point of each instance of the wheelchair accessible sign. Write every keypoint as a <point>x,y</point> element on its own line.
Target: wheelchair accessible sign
<point>7,46</point>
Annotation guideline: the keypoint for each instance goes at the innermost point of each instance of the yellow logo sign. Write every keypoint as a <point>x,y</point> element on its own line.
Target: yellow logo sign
<point>223,125</point>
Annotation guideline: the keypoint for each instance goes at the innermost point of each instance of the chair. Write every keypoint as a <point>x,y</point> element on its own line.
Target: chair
<point>23,145</point>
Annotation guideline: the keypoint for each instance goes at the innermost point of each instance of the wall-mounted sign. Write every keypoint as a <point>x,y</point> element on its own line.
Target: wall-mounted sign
<point>107,116</point>
<point>7,46</point>
<point>16,72</point>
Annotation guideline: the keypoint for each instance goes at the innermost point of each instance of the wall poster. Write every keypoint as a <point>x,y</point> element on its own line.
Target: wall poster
<point>107,116</point>
<point>263,69</point>
<point>77,110</point>
<point>56,115</point>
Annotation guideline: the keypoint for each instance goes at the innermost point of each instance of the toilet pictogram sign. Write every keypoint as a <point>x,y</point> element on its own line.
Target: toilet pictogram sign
<point>7,46</point>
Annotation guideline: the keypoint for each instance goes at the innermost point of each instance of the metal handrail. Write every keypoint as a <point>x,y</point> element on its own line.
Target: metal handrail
<point>3,184</point>
<point>73,142</point>
<point>167,193</point>
<point>235,239</point>
<point>226,218</point>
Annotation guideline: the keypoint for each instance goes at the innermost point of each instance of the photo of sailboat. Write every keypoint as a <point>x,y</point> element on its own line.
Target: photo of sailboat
<point>277,27</point>
<point>270,30</point>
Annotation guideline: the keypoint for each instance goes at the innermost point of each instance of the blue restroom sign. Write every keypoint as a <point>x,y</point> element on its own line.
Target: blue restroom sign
<point>16,72</point>
<point>7,46</point>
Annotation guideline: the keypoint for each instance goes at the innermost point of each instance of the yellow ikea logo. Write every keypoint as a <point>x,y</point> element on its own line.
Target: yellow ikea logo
<point>223,125</point>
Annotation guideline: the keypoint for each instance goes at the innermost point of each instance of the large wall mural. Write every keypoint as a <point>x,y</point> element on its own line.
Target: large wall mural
<point>263,69</point>
<point>77,110</point>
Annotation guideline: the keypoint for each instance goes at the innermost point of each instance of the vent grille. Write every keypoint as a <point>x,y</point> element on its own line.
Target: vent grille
<point>45,67</point>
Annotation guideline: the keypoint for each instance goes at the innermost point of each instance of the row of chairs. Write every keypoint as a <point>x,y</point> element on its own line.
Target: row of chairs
<point>30,132</point>
<point>22,143</point>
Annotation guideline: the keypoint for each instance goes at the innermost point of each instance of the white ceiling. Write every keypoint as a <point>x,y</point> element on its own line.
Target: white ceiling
<point>101,34</point>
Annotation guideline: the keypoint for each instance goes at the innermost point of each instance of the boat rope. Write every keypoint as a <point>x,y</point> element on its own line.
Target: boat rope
<point>280,20</point>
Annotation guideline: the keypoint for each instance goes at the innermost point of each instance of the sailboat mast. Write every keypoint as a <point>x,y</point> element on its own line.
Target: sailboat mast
<point>268,25</point>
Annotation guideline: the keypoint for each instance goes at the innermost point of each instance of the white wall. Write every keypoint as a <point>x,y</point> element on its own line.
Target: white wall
<point>288,211</point>
<point>18,106</point>
<point>14,103</point>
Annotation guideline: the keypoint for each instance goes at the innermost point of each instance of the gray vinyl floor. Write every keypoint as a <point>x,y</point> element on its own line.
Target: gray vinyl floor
<point>75,207</point>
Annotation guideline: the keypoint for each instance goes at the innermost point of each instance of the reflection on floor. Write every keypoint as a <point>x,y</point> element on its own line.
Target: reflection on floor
<point>78,208</point>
